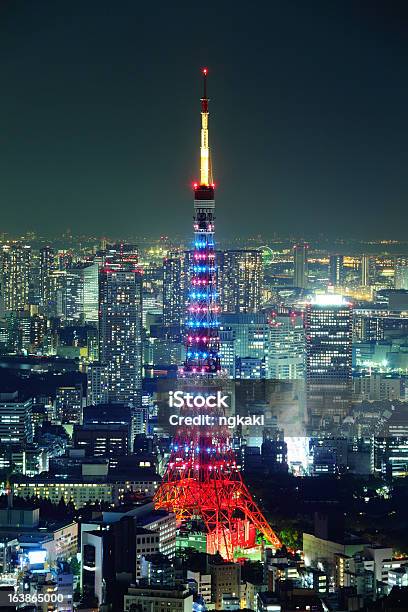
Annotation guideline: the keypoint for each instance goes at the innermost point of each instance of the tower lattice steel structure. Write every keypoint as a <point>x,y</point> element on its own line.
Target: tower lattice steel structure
<point>202,479</point>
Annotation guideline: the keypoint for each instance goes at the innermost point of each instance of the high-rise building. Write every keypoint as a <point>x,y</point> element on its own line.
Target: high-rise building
<point>365,270</point>
<point>227,350</point>
<point>328,327</point>
<point>38,329</point>
<point>336,271</point>
<point>120,325</point>
<point>73,296</point>
<point>66,295</point>
<point>175,267</point>
<point>300,272</point>
<point>97,384</point>
<point>47,264</point>
<point>401,274</point>
<point>16,258</point>
<point>90,278</point>
<point>287,351</point>
<point>68,404</point>
<point>240,280</point>
<point>15,419</point>
<point>250,333</point>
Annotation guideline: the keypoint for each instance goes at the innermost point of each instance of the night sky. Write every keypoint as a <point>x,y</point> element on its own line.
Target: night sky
<point>99,116</point>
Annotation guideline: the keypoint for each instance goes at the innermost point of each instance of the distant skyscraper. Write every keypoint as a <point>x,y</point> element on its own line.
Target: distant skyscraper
<point>66,295</point>
<point>365,270</point>
<point>46,267</point>
<point>15,276</point>
<point>286,357</point>
<point>174,288</point>
<point>38,329</point>
<point>65,260</point>
<point>57,288</point>
<point>90,277</point>
<point>328,326</point>
<point>125,253</point>
<point>74,296</point>
<point>120,325</point>
<point>336,270</point>
<point>240,280</point>
<point>401,274</point>
<point>300,273</point>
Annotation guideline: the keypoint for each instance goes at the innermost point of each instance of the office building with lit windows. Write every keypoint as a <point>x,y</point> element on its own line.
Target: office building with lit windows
<point>16,262</point>
<point>240,280</point>
<point>287,351</point>
<point>66,295</point>
<point>249,332</point>
<point>366,270</point>
<point>15,419</point>
<point>328,328</point>
<point>120,325</point>
<point>68,404</point>
<point>175,278</point>
<point>227,350</point>
<point>47,264</point>
<point>97,384</point>
<point>336,270</point>
<point>90,280</point>
<point>300,265</point>
<point>401,276</point>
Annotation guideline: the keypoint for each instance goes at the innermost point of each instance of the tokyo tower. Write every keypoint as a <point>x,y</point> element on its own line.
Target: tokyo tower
<point>202,480</point>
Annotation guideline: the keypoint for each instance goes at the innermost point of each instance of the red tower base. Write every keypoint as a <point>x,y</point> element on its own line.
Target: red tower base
<point>242,536</point>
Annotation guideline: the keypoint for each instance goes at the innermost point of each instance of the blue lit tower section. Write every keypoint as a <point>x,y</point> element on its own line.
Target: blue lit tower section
<point>202,335</point>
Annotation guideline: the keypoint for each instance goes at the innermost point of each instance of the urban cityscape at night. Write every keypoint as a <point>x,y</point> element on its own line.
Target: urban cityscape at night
<point>204,307</point>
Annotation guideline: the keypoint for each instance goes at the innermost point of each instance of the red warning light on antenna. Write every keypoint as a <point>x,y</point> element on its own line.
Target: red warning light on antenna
<point>205,71</point>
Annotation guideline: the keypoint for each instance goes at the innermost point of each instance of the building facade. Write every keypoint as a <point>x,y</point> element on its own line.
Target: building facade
<point>240,280</point>
<point>328,326</point>
<point>120,328</point>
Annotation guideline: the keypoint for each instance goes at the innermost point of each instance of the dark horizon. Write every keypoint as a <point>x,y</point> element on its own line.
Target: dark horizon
<point>308,122</point>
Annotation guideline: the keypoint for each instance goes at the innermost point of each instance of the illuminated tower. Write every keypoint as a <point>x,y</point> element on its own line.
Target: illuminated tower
<point>202,479</point>
<point>202,335</point>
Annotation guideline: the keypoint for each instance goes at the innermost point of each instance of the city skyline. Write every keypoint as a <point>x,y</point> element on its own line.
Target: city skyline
<point>98,130</point>
<point>216,418</point>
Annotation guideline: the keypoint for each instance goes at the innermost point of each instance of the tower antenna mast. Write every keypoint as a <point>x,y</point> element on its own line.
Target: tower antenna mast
<point>205,162</point>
